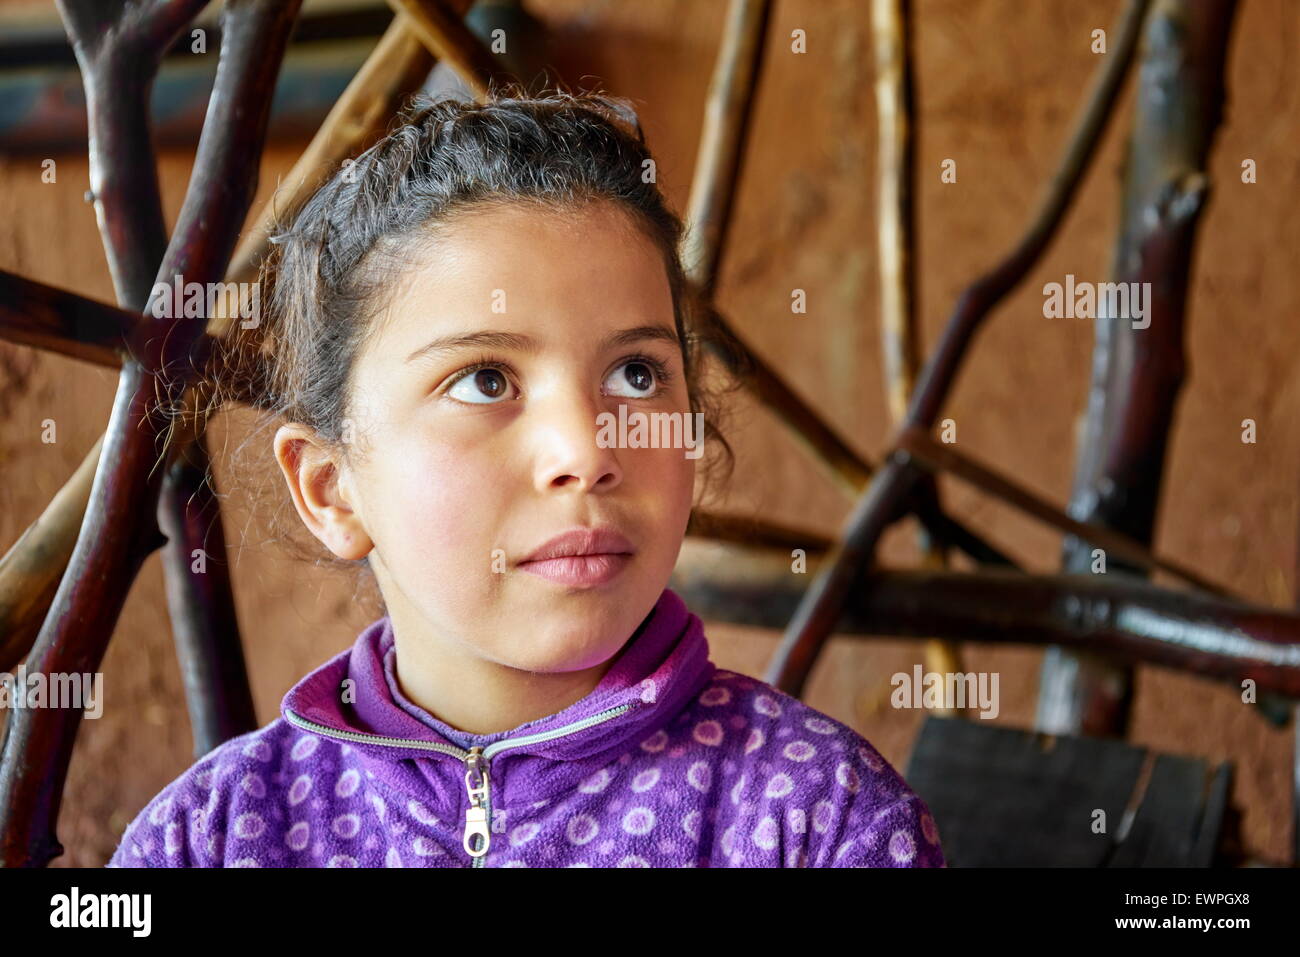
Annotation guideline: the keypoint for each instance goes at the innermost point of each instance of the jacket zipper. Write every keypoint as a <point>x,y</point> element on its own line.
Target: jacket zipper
<point>476,816</point>
<point>476,759</point>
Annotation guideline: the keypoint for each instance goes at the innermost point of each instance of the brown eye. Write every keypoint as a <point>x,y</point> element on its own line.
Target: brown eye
<point>491,382</point>
<point>640,377</point>
<point>480,387</point>
<point>636,375</point>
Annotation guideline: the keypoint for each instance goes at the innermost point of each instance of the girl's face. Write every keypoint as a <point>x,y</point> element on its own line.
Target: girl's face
<point>475,407</point>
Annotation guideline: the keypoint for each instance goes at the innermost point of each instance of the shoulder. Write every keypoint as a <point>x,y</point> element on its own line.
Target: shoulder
<point>758,717</point>
<point>804,786</point>
<point>188,822</point>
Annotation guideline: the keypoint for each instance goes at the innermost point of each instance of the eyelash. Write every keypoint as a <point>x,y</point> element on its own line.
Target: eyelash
<point>660,370</point>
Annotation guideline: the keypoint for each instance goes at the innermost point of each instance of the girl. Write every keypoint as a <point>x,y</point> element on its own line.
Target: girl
<point>455,315</point>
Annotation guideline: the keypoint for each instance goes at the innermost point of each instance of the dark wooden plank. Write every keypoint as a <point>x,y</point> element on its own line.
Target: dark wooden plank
<point>1208,840</point>
<point>1166,818</point>
<point>1003,797</point>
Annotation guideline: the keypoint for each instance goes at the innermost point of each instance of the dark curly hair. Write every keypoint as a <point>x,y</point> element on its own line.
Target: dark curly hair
<point>333,261</point>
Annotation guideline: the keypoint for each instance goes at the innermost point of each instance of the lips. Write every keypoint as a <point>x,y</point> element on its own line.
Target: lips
<point>581,557</point>
<point>602,540</point>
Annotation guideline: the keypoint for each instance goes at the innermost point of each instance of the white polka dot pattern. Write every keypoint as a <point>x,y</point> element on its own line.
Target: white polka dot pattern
<point>743,776</point>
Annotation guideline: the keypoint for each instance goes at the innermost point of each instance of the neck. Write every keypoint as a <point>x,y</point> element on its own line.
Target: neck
<point>478,696</point>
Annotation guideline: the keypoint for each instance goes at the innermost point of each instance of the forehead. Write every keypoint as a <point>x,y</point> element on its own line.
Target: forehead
<point>527,269</point>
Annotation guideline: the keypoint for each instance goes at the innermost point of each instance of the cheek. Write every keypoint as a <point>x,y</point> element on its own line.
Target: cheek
<point>441,499</point>
<point>667,477</point>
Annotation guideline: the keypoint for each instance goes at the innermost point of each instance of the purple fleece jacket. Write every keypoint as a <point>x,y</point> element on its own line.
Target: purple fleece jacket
<point>668,762</point>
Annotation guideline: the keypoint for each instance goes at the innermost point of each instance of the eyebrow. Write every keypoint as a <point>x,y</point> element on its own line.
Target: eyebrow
<point>521,343</point>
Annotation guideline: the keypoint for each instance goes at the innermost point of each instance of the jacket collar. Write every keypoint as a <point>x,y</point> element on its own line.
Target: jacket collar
<point>354,697</point>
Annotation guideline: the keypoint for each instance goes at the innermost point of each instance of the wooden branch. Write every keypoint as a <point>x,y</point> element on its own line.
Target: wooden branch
<point>111,42</point>
<point>130,214</point>
<point>896,238</point>
<point>850,471</point>
<point>34,314</point>
<point>754,532</point>
<point>398,67</point>
<point>958,535</point>
<point>201,600</point>
<point>1137,373</point>
<point>883,503</point>
<point>936,456</point>
<point>718,166</point>
<point>1125,617</point>
<point>896,249</point>
<point>1295,739</point>
<point>821,606</point>
<point>30,573</point>
<point>718,163</point>
<point>115,537</point>
<point>440,26</point>
<point>717,174</point>
<point>119,45</point>
<point>205,627</point>
<point>985,293</point>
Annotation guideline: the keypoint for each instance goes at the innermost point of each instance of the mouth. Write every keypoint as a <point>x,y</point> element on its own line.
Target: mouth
<point>581,557</point>
<point>580,571</point>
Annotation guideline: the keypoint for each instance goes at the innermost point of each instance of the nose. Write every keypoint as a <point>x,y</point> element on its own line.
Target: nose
<point>567,455</point>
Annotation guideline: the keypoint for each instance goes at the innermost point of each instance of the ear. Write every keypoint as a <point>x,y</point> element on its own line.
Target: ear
<point>321,491</point>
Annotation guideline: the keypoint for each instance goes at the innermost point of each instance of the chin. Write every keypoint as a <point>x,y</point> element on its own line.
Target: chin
<point>562,651</point>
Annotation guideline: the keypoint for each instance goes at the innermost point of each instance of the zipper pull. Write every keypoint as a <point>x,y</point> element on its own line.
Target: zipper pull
<point>476,816</point>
